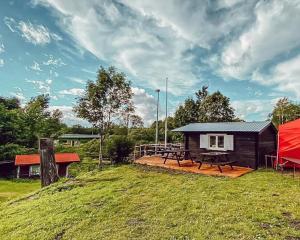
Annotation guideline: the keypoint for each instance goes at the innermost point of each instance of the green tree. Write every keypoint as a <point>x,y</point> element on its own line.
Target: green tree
<point>284,111</point>
<point>187,113</point>
<point>215,108</point>
<point>11,125</point>
<point>104,101</point>
<point>39,121</point>
<point>207,107</point>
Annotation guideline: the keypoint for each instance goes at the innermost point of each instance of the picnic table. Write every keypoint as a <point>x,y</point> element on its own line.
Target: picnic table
<point>178,155</point>
<point>294,161</point>
<point>216,158</point>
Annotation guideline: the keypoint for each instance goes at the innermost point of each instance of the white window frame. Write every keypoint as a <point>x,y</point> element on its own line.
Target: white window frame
<point>217,142</point>
<point>31,172</point>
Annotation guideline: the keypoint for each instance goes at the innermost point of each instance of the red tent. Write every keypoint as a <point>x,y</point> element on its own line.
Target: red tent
<point>289,141</point>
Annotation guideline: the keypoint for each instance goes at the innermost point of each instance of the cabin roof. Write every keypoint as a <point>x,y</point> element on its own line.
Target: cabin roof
<point>32,159</point>
<point>255,127</point>
<point>78,136</point>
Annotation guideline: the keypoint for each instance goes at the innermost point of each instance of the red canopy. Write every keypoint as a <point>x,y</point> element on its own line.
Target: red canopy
<point>289,141</point>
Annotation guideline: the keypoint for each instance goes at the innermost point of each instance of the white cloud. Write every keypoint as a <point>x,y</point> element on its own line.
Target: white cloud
<point>77,80</point>
<point>145,105</point>
<point>19,94</point>
<point>2,48</point>
<point>35,66</point>
<point>58,62</point>
<point>72,91</point>
<point>33,33</point>
<point>275,32</point>
<point>1,62</point>
<point>69,117</point>
<point>284,77</point>
<point>139,45</point>
<point>260,109</point>
<point>42,87</point>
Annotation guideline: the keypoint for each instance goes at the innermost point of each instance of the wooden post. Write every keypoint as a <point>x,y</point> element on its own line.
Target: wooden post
<point>48,166</point>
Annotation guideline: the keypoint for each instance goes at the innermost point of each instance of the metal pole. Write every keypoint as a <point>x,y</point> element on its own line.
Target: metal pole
<point>157,106</point>
<point>166,120</point>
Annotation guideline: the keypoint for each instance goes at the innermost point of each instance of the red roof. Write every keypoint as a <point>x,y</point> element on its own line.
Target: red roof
<point>32,159</point>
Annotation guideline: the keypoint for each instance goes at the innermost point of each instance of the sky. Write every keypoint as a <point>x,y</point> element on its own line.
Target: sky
<point>249,50</point>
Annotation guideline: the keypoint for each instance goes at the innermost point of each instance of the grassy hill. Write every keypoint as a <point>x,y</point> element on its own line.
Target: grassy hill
<point>10,189</point>
<point>130,202</point>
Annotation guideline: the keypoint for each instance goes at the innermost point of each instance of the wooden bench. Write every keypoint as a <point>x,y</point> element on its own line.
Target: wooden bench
<point>218,164</point>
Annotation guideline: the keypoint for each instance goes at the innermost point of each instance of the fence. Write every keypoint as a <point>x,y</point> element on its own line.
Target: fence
<point>150,149</point>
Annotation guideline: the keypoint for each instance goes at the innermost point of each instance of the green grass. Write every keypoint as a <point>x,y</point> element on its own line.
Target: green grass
<point>130,202</point>
<point>10,189</point>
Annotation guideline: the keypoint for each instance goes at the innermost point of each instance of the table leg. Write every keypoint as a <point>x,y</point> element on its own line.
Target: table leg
<point>190,156</point>
<point>294,170</point>
<point>166,158</point>
<point>220,169</point>
<point>201,161</point>
<point>200,165</point>
<point>177,159</point>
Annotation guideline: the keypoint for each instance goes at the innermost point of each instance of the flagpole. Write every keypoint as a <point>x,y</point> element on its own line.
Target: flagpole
<point>166,120</point>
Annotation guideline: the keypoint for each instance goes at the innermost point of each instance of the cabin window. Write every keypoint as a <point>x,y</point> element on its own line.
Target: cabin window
<point>34,170</point>
<point>221,142</point>
<point>217,142</point>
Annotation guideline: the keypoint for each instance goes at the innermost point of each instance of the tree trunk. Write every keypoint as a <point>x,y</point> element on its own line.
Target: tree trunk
<point>100,153</point>
<point>48,166</point>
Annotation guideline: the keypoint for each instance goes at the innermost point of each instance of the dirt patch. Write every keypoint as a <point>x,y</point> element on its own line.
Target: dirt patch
<point>287,214</point>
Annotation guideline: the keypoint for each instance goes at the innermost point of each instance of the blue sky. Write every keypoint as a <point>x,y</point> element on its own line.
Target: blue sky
<point>249,50</point>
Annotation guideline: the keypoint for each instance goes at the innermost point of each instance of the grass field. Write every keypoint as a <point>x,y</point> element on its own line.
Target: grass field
<point>131,202</point>
<point>10,189</point>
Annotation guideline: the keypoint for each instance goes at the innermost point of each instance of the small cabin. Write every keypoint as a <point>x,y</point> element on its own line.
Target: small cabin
<point>76,139</point>
<point>246,142</point>
<point>28,166</point>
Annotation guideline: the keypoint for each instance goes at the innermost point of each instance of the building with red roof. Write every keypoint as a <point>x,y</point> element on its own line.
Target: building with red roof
<point>29,165</point>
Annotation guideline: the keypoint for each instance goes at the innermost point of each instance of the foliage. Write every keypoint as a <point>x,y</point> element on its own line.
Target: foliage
<point>84,166</point>
<point>119,148</point>
<point>206,107</point>
<point>142,135</point>
<point>10,150</point>
<point>104,101</point>
<point>285,111</point>
<point>78,129</point>
<point>127,202</point>
<point>21,127</point>
<point>40,121</point>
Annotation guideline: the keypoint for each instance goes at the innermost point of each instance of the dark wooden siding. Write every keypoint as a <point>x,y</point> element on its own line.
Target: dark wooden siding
<point>245,145</point>
<point>24,171</point>
<point>62,170</point>
<point>7,169</point>
<point>267,143</point>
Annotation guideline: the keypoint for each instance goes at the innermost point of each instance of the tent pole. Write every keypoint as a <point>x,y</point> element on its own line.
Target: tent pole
<point>277,160</point>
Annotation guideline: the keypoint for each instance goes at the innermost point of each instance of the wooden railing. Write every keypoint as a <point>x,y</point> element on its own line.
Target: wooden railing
<point>150,149</point>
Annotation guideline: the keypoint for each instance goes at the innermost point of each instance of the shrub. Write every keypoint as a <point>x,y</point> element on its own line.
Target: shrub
<point>118,148</point>
<point>10,150</point>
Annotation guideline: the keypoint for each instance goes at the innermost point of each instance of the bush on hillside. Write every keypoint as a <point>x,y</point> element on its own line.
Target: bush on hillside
<point>118,148</point>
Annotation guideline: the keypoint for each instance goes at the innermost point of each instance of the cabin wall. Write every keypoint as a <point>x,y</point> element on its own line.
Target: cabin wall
<point>7,170</point>
<point>61,168</point>
<point>245,147</point>
<point>24,171</point>
<point>267,144</point>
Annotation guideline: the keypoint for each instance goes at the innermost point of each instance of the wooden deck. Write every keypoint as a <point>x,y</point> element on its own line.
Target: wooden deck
<point>188,166</point>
